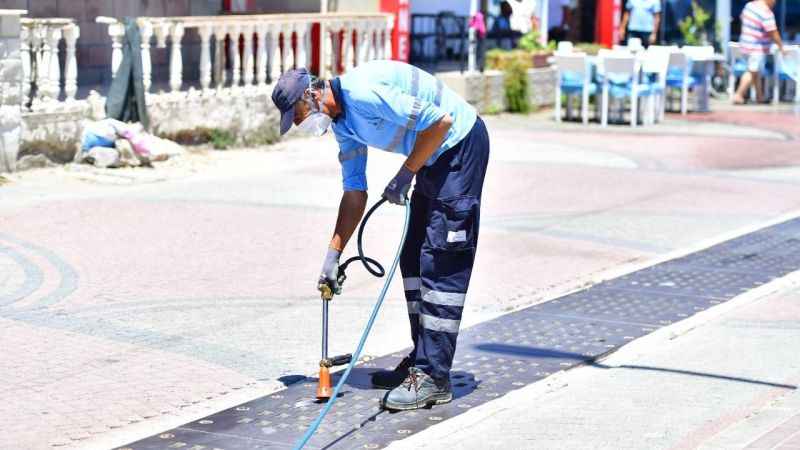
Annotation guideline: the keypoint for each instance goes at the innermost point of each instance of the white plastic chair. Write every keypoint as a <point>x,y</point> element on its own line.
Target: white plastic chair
<point>679,63</point>
<point>624,70</point>
<point>655,63</point>
<point>574,66</point>
<point>635,45</point>
<point>564,47</point>
<point>789,70</point>
<point>737,64</point>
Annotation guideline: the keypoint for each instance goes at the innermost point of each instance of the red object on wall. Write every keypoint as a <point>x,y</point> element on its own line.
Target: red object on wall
<point>401,34</point>
<point>609,15</point>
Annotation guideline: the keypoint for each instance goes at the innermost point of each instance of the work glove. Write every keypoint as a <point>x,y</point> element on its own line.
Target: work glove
<point>330,272</point>
<point>397,190</point>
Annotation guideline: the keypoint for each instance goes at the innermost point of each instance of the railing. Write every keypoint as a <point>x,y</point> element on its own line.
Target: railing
<point>257,48</point>
<point>41,65</point>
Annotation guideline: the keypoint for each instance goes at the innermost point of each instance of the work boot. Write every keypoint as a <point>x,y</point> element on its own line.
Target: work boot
<point>418,390</point>
<point>390,379</point>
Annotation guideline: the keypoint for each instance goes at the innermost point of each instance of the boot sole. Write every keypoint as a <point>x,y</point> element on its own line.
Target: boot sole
<point>437,399</point>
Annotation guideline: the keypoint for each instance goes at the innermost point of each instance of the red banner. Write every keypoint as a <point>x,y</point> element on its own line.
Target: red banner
<point>609,15</point>
<point>401,34</point>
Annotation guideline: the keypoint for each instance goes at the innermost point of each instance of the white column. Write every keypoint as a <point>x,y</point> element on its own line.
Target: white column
<point>247,32</point>
<point>71,34</point>
<point>347,46</point>
<point>146,31</point>
<point>233,52</point>
<point>25,56</point>
<point>273,52</point>
<point>261,54</point>
<point>723,24</point>
<point>11,101</point>
<point>301,30</point>
<point>335,29</point>
<point>176,59</point>
<point>387,38</point>
<point>205,55</point>
<point>116,31</point>
<point>362,42</point>
<point>473,45</point>
<point>219,58</point>
<point>288,48</point>
<point>51,73</point>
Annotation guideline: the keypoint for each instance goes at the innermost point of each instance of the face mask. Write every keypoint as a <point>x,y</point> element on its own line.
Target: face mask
<point>317,123</point>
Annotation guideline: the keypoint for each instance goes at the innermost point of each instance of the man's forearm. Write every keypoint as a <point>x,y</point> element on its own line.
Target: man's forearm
<point>351,208</point>
<point>777,38</point>
<point>656,24</point>
<point>428,140</point>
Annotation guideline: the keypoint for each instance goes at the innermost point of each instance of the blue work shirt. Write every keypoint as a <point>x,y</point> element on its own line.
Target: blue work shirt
<point>642,14</point>
<point>385,104</point>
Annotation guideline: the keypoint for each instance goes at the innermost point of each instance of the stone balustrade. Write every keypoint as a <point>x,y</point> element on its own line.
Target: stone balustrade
<point>41,64</point>
<point>254,50</point>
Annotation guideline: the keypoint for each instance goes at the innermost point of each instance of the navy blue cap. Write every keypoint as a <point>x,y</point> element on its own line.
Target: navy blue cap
<point>288,90</point>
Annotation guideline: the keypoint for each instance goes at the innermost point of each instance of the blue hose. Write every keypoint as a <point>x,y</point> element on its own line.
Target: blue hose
<point>357,354</point>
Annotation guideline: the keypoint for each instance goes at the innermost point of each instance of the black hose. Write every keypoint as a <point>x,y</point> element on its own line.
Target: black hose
<point>378,270</point>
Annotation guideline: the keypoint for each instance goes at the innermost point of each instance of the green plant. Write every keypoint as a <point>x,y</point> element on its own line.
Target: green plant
<point>516,87</point>
<point>530,41</point>
<point>589,48</point>
<point>491,110</point>
<point>693,27</point>
<point>264,135</point>
<point>222,139</point>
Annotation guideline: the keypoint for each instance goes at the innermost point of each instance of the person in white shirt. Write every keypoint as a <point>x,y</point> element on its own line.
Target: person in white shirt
<point>522,15</point>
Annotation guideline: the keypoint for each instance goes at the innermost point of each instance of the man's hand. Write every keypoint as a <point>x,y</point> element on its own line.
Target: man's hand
<point>330,271</point>
<point>397,190</point>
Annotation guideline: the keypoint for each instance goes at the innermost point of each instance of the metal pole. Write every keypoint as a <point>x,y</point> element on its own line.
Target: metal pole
<point>473,8</point>
<point>724,24</point>
<point>323,8</point>
<point>324,329</point>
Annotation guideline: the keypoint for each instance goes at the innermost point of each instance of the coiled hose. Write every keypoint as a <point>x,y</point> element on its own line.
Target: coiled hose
<point>378,272</point>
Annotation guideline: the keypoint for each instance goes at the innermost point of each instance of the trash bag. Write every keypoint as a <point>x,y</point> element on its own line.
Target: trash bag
<point>125,99</point>
<point>103,157</point>
<point>101,133</point>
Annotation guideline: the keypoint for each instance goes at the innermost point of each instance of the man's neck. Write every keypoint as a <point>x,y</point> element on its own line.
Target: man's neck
<point>329,102</point>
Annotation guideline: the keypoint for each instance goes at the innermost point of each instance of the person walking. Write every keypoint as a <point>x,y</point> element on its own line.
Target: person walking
<point>399,108</point>
<point>641,19</point>
<point>759,31</point>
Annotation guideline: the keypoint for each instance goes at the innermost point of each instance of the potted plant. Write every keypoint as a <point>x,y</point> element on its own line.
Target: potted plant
<point>530,42</point>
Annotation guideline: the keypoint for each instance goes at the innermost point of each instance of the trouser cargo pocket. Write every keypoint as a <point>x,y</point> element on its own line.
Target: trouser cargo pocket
<point>454,223</point>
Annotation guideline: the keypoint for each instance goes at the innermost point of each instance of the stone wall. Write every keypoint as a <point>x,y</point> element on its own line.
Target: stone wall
<point>247,113</point>
<point>486,92</point>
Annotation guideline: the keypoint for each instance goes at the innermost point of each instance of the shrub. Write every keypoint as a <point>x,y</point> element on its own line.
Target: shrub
<point>222,139</point>
<point>693,28</point>
<point>516,87</point>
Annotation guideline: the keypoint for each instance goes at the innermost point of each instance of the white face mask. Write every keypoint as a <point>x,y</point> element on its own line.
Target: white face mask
<point>317,123</point>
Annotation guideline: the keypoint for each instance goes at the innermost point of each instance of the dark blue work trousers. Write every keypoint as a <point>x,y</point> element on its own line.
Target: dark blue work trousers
<point>439,250</point>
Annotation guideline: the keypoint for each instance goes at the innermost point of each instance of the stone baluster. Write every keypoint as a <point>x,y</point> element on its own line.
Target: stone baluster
<point>334,47</point>
<point>387,38</point>
<point>11,99</point>
<point>373,41</point>
<point>146,31</point>
<point>363,42</point>
<point>347,46</point>
<point>288,47</point>
<point>25,57</point>
<point>301,30</point>
<point>233,52</point>
<point>116,31</point>
<point>262,33</point>
<point>162,31</point>
<point>273,54</point>
<point>205,55</point>
<point>71,34</point>
<point>176,58</point>
<point>54,68</point>
<point>247,32</point>
<point>219,56</point>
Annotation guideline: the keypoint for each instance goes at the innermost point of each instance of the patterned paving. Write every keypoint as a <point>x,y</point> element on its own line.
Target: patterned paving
<point>496,357</point>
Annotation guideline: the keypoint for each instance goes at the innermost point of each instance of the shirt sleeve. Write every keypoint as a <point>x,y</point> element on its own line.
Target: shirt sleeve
<point>769,23</point>
<point>353,158</point>
<point>404,110</point>
<point>656,7</point>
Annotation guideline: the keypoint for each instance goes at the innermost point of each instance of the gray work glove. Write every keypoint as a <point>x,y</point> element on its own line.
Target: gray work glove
<point>397,190</point>
<point>330,271</point>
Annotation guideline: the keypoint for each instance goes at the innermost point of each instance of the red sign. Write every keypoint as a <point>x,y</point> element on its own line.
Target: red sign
<point>401,34</point>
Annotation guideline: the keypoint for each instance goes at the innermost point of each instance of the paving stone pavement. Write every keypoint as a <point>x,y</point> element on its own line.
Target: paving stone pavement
<point>130,309</point>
